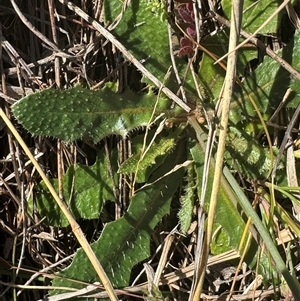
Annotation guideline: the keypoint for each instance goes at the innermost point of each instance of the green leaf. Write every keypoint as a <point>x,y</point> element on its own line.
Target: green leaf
<point>249,157</point>
<point>187,200</point>
<point>230,230</point>
<point>211,75</point>
<point>85,189</point>
<point>293,100</point>
<point>126,241</point>
<point>229,225</point>
<point>155,156</point>
<point>268,84</point>
<point>79,113</point>
<point>255,14</point>
<point>146,37</point>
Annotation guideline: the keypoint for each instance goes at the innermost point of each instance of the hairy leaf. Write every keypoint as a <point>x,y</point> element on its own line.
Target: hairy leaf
<point>145,163</point>
<point>229,225</point>
<point>187,200</point>
<point>249,157</point>
<point>85,190</point>
<point>230,233</point>
<point>126,241</point>
<point>80,113</point>
<point>267,85</point>
<point>146,37</point>
<point>211,75</point>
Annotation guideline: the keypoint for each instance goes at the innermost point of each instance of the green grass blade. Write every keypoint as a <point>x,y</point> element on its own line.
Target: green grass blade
<point>292,282</point>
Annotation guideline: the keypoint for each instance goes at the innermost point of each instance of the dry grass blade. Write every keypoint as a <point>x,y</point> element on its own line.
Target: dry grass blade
<point>236,19</point>
<point>32,29</point>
